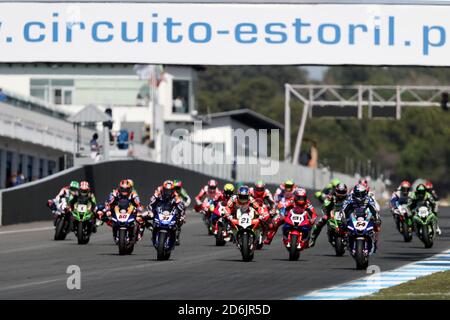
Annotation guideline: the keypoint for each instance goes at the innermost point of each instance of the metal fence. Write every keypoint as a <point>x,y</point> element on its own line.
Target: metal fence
<point>198,158</point>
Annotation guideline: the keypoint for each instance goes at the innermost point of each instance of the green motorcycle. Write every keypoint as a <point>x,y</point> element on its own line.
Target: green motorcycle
<point>82,216</point>
<point>425,222</point>
<point>337,236</point>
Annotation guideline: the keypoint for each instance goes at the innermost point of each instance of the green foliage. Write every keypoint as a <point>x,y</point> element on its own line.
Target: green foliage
<point>416,146</point>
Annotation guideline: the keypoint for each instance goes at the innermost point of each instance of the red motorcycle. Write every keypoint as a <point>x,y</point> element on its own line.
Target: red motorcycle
<point>221,227</point>
<point>205,210</point>
<point>266,219</point>
<point>296,232</point>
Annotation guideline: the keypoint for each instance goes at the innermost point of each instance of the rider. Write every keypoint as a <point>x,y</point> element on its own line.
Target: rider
<point>222,201</point>
<point>299,199</point>
<point>430,189</point>
<point>299,205</point>
<point>166,194</point>
<point>243,201</point>
<point>422,197</point>
<point>184,196</point>
<point>321,195</point>
<point>86,195</point>
<point>360,199</point>
<point>182,192</point>
<point>333,202</point>
<point>210,191</point>
<point>263,195</point>
<point>400,197</point>
<point>285,191</point>
<point>63,195</point>
<point>124,191</point>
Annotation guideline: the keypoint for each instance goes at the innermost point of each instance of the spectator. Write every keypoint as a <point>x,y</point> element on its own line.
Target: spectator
<point>95,148</point>
<point>2,96</point>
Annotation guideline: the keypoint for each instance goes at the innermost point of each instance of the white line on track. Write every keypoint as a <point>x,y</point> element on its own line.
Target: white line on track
<point>26,230</point>
<point>375,282</point>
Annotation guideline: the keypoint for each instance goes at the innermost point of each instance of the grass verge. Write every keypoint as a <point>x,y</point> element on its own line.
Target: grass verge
<point>432,287</point>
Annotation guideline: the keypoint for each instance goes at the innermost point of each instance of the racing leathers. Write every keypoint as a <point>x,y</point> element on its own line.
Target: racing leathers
<point>279,219</point>
<point>331,204</point>
<point>55,204</point>
<point>113,200</point>
<point>88,200</point>
<point>174,201</point>
<point>351,205</point>
<point>264,198</point>
<point>397,199</point>
<point>234,205</point>
<point>415,201</point>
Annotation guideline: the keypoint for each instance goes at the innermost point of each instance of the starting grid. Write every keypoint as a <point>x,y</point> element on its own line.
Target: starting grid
<point>372,284</point>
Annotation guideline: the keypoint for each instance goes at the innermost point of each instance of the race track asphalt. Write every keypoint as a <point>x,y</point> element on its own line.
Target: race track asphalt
<point>33,265</point>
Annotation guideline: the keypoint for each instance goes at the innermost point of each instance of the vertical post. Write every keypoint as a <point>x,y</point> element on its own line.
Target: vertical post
<point>301,130</point>
<point>360,96</point>
<point>105,142</point>
<point>287,122</point>
<point>398,107</point>
<point>370,102</point>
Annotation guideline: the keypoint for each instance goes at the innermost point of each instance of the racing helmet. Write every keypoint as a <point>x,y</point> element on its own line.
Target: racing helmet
<point>178,184</point>
<point>289,185</point>
<point>405,187</point>
<point>260,188</point>
<point>74,187</point>
<point>421,191</point>
<point>243,194</point>
<point>364,182</point>
<point>340,191</point>
<point>359,192</point>
<point>300,196</point>
<point>84,188</point>
<point>228,189</point>
<point>429,186</point>
<point>212,186</point>
<point>168,189</point>
<point>125,188</point>
<point>335,182</point>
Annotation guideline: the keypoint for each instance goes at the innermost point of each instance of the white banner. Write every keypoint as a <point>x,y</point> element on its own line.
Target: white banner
<point>225,33</point>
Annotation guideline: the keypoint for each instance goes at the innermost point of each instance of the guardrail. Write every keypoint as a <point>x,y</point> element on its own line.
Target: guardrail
<point>46,130</point>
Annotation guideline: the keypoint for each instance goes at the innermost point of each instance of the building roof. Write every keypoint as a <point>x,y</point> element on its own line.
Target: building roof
<point>248,117</point>
<point>89,114</point>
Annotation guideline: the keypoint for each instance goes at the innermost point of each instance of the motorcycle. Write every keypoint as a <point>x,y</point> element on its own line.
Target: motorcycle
<point>404,222</point>
<point>205,210</point>
<point>296,233</point>
<point>125,228</point>
<point>247,232</point>
<point>221,227</point>
<point>337,235</point>
<point>266,218</point>
<point>425,225</point>
<point>164,230</point>
<point>361,237</point>
<point>63,223</point>
<point>82,216</point>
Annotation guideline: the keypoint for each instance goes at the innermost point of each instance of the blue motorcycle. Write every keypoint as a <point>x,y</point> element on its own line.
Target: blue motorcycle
<point>361,237</point>
<point>164,230</point>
